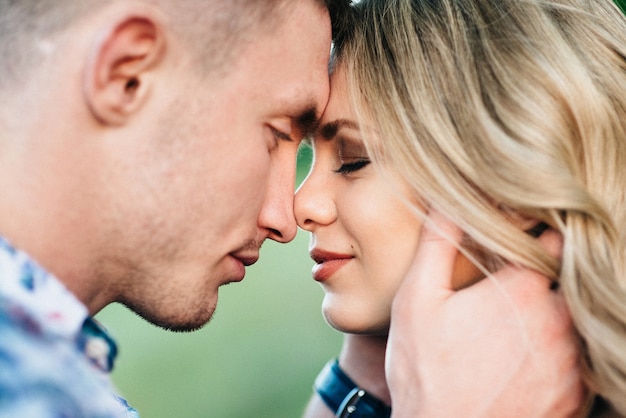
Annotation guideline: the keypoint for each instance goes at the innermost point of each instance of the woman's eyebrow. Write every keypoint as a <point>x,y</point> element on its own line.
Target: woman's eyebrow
<point>329,130</point>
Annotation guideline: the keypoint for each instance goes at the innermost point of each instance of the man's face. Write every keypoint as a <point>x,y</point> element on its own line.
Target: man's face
<point>213,177</point>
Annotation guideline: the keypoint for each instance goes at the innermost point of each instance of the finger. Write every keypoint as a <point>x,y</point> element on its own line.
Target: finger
<point>523,282</point>
<point>516,283</point>
<point>552,242</point>
<point>430,276</point>
<point>527,292</point>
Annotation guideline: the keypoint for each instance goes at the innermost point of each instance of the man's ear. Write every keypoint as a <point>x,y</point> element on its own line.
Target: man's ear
<point>119,74</point>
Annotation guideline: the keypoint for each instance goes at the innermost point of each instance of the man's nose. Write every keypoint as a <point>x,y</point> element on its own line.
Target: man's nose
<point>277,215</point>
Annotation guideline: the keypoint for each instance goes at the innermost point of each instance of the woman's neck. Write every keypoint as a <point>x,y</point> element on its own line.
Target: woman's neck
<point>363,359</point>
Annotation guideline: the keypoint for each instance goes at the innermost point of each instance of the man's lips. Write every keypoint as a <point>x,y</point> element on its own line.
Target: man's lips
<point>241,261</point>
<point>327,263</point>
<point>247,260</point>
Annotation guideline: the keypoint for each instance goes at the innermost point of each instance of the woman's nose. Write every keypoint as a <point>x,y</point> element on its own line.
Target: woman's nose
<point>314,204</point>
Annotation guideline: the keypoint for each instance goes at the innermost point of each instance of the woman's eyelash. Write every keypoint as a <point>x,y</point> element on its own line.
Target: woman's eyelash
<point>348,168</point>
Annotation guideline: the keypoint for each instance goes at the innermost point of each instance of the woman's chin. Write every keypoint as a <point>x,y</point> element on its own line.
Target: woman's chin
<point>352,323</point>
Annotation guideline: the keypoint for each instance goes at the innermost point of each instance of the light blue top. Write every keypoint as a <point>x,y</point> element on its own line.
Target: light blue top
<point>55,359</point>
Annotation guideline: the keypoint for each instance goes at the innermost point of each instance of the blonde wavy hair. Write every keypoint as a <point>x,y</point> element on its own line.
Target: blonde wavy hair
<point>498,108</point>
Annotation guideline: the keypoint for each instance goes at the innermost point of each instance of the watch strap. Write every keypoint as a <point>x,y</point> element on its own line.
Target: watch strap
<point>344,397</point>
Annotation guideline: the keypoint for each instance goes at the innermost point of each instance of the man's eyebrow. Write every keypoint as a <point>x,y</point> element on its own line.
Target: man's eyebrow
<point>307,121</point>
<point>329,130</point>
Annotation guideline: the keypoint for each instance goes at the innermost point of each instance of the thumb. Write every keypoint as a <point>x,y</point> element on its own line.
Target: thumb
<point>429,278</point>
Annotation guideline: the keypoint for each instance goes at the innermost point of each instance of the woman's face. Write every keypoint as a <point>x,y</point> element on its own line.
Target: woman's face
<point>363,233</point>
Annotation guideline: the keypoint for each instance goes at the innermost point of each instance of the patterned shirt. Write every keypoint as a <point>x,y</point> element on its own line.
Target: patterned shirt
<point>55,359</point>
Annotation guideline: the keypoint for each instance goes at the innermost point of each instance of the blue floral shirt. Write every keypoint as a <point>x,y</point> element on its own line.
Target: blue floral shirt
<point>55,360</point>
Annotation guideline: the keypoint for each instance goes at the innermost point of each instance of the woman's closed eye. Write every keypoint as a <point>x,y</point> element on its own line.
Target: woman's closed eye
<point>351,167</point>
<point>351,155</point>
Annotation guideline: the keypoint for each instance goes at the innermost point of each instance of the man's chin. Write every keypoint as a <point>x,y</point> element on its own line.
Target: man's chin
<point>186,327</point>
<point>187,321</point>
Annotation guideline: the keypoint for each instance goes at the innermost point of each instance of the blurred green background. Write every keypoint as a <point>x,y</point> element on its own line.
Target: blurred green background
<point>257,358</point>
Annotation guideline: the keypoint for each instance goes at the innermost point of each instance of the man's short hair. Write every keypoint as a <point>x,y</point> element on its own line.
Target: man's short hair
<point>213,29</point>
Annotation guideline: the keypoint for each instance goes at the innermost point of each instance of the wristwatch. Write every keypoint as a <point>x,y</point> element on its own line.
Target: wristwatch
<point>344,397</point>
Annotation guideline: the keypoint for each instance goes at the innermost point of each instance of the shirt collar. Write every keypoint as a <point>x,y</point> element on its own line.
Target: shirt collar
<point>43,296</point>
<point>52,306</point>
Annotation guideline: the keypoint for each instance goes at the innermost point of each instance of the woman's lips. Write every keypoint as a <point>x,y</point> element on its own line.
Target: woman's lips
<point>327,263</point>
